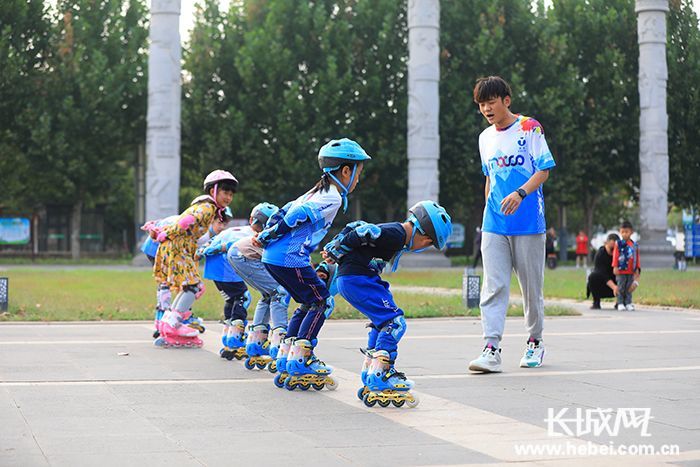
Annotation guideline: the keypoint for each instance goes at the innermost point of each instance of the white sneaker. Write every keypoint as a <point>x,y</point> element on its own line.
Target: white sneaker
<point>621,307</point>
<point>630,307</point>
<point>488,362</point>
<point>534,354</point>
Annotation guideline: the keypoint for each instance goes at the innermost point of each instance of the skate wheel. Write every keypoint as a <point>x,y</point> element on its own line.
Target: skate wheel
<point>279,381</point>
<point>331,384</point>
<point>361,392</point>
<point>288,385</point>
<point>318,386</point>
<point>384,403</point>
<point>368,400</point>
<point>272,367</point>
<point>202,329</point>
<point>238,357</point>
<point>156,334</point>
<point>305,386</point>
<point>413,402</point>
<point>249,365</point>
<point>260,365</point>
<point>229,357</point>
<point>398,403</point>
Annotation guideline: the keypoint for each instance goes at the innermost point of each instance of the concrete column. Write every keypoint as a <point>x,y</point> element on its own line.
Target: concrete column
<point>423,114</point>
<point>163,133</point>
<point>423,100</point>
<point>653,132</point>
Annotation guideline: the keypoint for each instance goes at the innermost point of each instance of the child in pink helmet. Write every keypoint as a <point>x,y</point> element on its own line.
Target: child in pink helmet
<point>175,263</point>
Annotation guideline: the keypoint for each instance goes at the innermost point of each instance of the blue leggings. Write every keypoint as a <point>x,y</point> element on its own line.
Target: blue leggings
<point>370,295</point>
<point>310,292</point>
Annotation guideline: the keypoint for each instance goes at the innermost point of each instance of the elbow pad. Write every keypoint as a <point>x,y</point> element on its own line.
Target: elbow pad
<point>185,222</point>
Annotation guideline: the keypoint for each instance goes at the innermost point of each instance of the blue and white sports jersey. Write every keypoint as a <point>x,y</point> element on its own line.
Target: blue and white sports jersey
<point>216,266</point>
<point>509,157</point>
<point>293,249</point>
<point>150,246</point>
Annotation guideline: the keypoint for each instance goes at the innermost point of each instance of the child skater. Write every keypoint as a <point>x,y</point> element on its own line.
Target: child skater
<point>245,257</point>
<point>231,287</point>
<point>175,263</point>
<point>150,249</point>
<point>357,249</point>
<point>293,233</point>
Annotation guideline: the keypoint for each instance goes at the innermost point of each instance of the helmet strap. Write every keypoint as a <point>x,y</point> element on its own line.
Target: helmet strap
<point>395,263</point>
<point>344,189</point>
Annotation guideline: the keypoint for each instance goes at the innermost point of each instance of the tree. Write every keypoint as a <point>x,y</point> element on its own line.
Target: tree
<point>270,82</point>
<point>92,110</point>
<point>23,44</point>
<point>683,103</point>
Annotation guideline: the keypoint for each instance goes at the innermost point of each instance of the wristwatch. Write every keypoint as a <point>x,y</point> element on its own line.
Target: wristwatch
<point>522,193</point>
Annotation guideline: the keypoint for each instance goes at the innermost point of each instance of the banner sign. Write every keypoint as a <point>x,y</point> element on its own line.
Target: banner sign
<point>15,231</point>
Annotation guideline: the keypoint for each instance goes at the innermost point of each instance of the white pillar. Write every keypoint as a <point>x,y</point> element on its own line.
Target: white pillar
<point>163,133</point>
<point>653,132</point>
<point>423,100</point>
<point>423,114</point>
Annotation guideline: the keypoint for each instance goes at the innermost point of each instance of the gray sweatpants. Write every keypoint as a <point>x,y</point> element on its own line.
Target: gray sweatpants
<point>502,254</point>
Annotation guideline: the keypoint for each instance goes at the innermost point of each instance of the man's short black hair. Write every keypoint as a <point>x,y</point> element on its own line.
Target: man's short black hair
<point>626,225</point>
<point>491,87</point>
<point>613,236</point>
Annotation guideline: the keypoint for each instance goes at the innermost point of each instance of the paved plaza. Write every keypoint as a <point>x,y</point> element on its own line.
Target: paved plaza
<point>75,394</point>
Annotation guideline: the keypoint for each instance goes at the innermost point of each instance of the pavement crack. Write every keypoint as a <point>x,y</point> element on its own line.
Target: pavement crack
<point>29,427</point>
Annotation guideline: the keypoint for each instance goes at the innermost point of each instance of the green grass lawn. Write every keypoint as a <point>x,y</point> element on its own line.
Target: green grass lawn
<point>657,287</point>
<point>82,294</point>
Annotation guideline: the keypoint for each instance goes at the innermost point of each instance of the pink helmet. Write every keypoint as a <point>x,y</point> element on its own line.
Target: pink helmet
<point>221,178</point>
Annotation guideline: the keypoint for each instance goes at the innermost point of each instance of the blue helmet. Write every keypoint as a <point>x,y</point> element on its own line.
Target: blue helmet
<point>262,212</point>
<point>432,220</point>
<point>337,152</point>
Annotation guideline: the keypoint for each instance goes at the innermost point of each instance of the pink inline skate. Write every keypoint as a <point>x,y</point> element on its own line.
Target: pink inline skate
<point>174,334</point>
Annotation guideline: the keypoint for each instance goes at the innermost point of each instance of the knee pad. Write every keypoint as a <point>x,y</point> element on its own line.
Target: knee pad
<point>280,295</point>
<point>245,300</point>
<point>184,300</point>
<point>163,296</point>
<point>390,334</point>
<point>196,289</point>
<point>396,328</point>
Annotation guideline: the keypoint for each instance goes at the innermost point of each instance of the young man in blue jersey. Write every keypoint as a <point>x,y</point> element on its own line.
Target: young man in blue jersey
<point>516,161</point>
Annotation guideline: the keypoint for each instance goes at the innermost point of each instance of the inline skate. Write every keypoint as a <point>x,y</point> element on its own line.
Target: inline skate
<point>305,370</point>
<point>257,347</point>
<point>363,374</point>
<point>281,362</point>
<point>173,333</point>
<point>386,385</point>
<point>278,335</point>
<point>234,345</point>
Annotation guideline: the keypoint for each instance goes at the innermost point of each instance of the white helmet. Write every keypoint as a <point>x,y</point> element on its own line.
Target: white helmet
<point>222,178</point>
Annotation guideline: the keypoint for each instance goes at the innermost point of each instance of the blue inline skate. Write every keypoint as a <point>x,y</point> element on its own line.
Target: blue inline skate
<point>195,323</point>
<point>386,385</point>
<point>276,339</point>
<point>257,347</point>
<point>305,370</point>
<point>281,362</point>
<point>234,345</point>
<point>363,374</point>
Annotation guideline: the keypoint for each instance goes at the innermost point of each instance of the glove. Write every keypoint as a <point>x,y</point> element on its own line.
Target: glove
<point>162,236</point>
<point>377,265</point>
<point>268,235</point>
<point>211,250</point>
<point>336,250</point>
